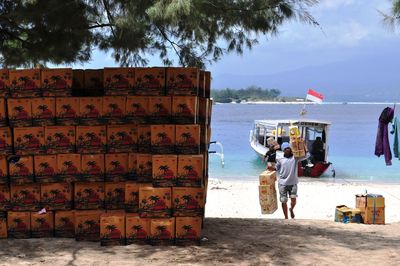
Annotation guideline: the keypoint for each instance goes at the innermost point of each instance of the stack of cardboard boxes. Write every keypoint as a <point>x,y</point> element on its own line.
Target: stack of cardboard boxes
<point>118,155</point>
<point>267,192</point>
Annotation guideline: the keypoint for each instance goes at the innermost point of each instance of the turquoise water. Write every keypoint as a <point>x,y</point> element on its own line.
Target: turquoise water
<point>351,144</point>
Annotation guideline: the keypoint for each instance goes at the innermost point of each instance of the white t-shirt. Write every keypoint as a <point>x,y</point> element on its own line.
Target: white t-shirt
<point>287,171</point>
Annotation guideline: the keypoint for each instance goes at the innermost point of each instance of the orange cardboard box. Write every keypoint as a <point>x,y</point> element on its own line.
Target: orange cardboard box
<point>94,79</point>
<point>29,140</point>
<point>4,83</point>
<point>190,171</point>
<point>187,139</point>
<point>89,195</point>
<point>202,83</point>
<point>60,139</point>
<point>188,230</point>
<point>3,170</point>
<point>91,139</point>
<point>25,83</point>
<point>19,224</point>
<point>43,111</point>
<point>144,138</point>
<point>162,231</point>
<point>92,167</point>
<point>87,225</point>
<point>5,203</point>
<point>160,110</point>
<point>3,225</point>
<point>119,80</point>
<point>137,229</point>
<point>67,111</point>
<point>132,197</point>
<point>68,167</point>
<point>144,167</point>
<point>114,109</point>
<point>114,195</point>
<point>207,86</point>
<point>78,79</point>
<point>122,138</point>
<point>57,82</point>
<point>56,196</point>
<point>19,112</point>
<point>137,109</point>
<point>21,171</point>
<point>187,201</point>
<point>64,224</point>
<point>132,167</point>
<point>112,229</point>
<point>3,113</point>
<point>5,141</point>
<point>25,197</point>
<point>183,81</point>
<point>154,202</point>
<point>116,167</point>
<point>90,111</point>
<point>185,109</point>
<point>42,225</point>
<point>45,168</point>
<point>204,104</point>
<point>150,81</point>
<point>164,170</point>
<point>162,139</point>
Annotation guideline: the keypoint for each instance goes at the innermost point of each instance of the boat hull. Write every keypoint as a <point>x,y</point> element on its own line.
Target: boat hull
<point>316,171</point>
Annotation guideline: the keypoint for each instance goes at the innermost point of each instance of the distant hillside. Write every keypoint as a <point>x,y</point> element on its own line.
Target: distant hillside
<point>370,79</point>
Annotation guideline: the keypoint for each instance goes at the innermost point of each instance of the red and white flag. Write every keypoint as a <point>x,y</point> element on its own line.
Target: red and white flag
<point>314,96</point>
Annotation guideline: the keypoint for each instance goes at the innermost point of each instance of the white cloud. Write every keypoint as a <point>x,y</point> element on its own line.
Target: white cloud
<point>331,4</point>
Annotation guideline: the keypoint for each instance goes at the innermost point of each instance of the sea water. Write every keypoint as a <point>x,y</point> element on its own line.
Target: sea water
<point>351,139</point>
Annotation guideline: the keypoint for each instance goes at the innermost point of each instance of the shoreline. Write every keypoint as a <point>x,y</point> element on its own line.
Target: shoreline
<point>308,103</point>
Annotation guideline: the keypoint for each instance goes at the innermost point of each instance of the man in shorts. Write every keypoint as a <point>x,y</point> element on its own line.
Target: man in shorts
<point>287,171</point>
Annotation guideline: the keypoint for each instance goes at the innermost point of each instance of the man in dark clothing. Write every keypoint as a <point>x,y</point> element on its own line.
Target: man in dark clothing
<point>317,151</point>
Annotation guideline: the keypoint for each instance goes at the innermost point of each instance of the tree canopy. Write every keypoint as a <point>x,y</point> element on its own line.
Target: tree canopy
<point>195,32</point>
<point>393,17</point>
<point>251,93</point>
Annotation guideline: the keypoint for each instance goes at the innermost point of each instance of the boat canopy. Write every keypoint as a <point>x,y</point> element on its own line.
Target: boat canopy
<point>294,122</point>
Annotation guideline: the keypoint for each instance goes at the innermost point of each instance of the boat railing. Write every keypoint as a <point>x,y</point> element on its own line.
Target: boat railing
<point>220,154</point>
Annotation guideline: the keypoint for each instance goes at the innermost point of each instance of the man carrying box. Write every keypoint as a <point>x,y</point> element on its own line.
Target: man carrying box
<point>287,171</point>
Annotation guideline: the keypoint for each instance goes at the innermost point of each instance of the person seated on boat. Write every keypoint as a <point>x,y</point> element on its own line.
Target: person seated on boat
<point>317,151</point>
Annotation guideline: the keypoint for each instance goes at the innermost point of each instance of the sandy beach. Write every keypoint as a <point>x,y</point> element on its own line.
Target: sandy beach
<point>236,233</point>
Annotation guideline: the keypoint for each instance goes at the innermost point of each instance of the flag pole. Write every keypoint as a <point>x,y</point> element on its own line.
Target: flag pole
<point>303,112</point>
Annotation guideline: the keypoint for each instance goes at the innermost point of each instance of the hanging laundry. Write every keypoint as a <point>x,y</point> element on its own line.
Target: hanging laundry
<point>382,146</point>
<point>396,137</point>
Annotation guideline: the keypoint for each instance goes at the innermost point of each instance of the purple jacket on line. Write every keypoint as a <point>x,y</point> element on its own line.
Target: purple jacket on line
<point>382,146</point>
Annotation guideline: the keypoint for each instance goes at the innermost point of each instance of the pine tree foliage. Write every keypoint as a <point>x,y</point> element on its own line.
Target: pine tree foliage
<point>195,32</point>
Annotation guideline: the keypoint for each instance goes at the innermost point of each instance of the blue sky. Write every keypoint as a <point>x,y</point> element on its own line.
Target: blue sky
<point>350,30</point>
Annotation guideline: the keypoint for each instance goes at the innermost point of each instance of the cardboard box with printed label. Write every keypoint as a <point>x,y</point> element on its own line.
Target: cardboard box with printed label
<point>56,196</point>
<point>183,81</point>
<point>21,171</point>
<point>5,141</point>
<point>5,202</point>
<point>64,224</point>
<point>19,112</point>
<point>3,113</point>
<point>4,83</point>
<point>160,110</point>
<point>112,229</point>
<point>164,170</point>
<point>187,138</point>
<point>154,202</point>
<point>45,168</point>
<point>372,207</point>
<point>144,168</point>
<point>162,231</point>
<point>188,230</point>
<point>202,83</point>
<point>3,225</point>
<point>137,109</point>
<point>144,138</point>
<point>114,109</point>
<point>114,198</point>
<point>91,139</point>
<point>116,165</point>
<point>150,81</point>
<point>19,224</point>
<point>204,105</point>
<point>25,197</point>
<point>67,111</point>
<point>190,171</point>
<point>68,167</point>
<point>132,197</point>
<point>89,195</point>
<point>60,139</point>
<point>25,83</point>
<point>43,111</point>
<point>132,167</point>
<point>90,111</point>
<point>78,79</point>
<point>87,225</point>
<point>119,80</point>
<point>3,170</point>
<point>57,82</point>
<point>42,224</point>
<point>188,201</point>
<point>137,229</point>
<point>185,109</point>
<point>29,140</point>
<point>162,139</point>
<point>122,138</point>
<point>94,80</point>
<point>92,167</point>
